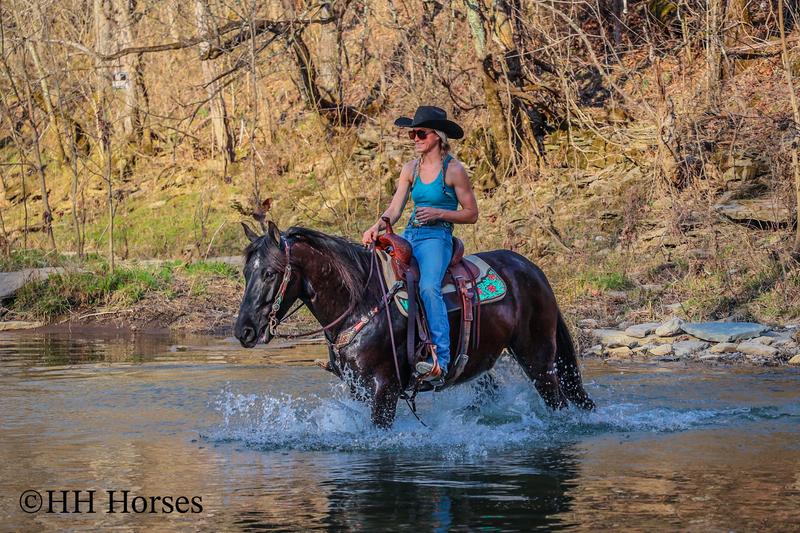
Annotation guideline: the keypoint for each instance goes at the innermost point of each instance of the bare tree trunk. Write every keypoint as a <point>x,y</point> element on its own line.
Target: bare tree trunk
<point>135,94</point>
<point>48,103</point>
<point>796,116</point>
<point>219,116</point>
<point>713,49</point>
<point>110,213</point>
<point>497,115</point>
<point>330,53</point>
<point>47,216</point>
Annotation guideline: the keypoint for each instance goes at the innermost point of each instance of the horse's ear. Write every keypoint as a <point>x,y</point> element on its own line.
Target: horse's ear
<point>274,233</point>
<point>252,235</point>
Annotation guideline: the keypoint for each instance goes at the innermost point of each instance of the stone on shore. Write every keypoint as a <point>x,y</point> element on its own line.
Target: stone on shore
<point>758,349</point>
<point>670,328</point>
<point>596,350</point>
<point>685,348</point>
<point>622,351</point>
<point>588,323</point>
<point>795,360</point>
<point>764,340</point>
<point>724,347</point>
<point>16,324</point>
<point>723,331</point>
<point>660,351</point>
<point>641,330</point>
<point>612,338</point>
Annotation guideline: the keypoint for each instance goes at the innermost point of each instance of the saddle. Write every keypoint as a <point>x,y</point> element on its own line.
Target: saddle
<point>460,273</point>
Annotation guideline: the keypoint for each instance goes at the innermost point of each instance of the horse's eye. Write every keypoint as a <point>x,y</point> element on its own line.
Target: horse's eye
<point>268,274</point>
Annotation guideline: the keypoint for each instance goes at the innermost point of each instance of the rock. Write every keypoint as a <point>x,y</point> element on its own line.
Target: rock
<point>724,347</point>
<point>685,348</point>
<point>710,357</point>
<point>795,360</point>
<point>764,340</point>
<point>596,350</point>
<point>785,344</point>
<point>724,331</point>
<point>757,349</point>
<point>670,328</point>
<point>612,338</point>
<point>660,351</point>
<point>617,294</point>
<point>16,324</point>
<point>642,348</point>
<point>669,358</point>
<point>622,351</point>
<point>622,326</point>
<point>588,323</point>
<point>763,209</point>
<point>673,307</point>
<point>11,282</point>
<point>641,330</point>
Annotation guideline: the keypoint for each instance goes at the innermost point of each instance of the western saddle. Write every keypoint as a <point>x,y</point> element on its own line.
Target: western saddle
<point>459,272</point>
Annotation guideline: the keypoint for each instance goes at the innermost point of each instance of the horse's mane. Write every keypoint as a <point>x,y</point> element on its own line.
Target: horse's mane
<point>350,260</point>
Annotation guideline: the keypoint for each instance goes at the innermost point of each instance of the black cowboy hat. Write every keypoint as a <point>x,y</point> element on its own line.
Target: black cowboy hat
<point>428,116</point>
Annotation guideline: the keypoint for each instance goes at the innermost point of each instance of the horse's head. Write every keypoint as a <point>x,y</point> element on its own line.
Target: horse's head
<point>264,271</point>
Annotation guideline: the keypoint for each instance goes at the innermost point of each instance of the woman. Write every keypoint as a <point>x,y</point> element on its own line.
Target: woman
<point>438,184</point>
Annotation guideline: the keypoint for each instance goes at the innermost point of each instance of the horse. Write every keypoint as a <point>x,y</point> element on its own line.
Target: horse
<point>330,275</point>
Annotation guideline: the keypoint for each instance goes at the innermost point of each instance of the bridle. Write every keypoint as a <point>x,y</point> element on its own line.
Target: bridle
<point>276,305</point>
<point>347,336</point>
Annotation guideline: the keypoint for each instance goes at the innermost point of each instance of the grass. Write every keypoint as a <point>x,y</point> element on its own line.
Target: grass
<point>31,258</point>
<point>62,293</point>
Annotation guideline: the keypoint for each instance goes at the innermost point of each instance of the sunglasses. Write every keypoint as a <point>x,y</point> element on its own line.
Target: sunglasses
<point>420,134</point>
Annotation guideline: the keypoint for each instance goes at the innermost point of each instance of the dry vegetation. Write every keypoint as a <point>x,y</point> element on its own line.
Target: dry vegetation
<point>600,136</point>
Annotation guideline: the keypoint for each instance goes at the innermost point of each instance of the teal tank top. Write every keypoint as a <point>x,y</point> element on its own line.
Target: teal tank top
<point>435,194</point>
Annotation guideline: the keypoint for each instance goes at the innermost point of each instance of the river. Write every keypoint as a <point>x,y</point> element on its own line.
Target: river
<point>193,433</point>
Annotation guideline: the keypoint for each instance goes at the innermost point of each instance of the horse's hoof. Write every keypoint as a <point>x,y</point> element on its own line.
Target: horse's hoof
<point>324,364</point>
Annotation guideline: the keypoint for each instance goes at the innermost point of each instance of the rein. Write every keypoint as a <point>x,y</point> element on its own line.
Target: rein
<point>273,320</point>
<point>347,336</point>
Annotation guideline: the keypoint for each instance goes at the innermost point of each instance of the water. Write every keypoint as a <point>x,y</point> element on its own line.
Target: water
<point>263,440</point>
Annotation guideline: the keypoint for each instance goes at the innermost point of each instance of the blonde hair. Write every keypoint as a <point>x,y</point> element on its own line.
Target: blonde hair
<point>444,144</point>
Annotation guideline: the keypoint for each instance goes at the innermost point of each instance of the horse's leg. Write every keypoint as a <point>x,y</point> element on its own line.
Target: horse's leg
<point>385,394</point>
<point>487,390</point>
<point>568,372</point>
<point>537,357</point>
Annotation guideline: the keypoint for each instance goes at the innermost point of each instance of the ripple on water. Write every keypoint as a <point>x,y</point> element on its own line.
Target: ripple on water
<point>461,422</point>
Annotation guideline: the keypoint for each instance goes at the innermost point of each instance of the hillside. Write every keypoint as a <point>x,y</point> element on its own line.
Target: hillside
<point>639,161</point>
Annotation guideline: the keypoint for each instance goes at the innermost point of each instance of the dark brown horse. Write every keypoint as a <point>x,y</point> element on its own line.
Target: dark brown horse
<point>329,274</point>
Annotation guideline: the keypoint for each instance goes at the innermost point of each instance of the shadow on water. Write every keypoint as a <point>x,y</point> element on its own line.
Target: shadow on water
<point>399,493</point>
<point>272,443</point>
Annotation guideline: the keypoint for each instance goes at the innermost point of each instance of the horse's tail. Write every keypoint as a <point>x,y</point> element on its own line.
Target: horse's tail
<point>567,367</point>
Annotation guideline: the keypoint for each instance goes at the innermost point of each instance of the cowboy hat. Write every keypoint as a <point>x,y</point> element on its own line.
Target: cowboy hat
<point>428,116</point>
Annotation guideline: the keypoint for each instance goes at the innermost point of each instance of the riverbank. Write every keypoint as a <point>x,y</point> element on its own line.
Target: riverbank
<point>203,297</point>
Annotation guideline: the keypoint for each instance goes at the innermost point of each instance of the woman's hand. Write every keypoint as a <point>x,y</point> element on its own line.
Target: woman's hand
<point>428,214</point>
<point>370,236</point>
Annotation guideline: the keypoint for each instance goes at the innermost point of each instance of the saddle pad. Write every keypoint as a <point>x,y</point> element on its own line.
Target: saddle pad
<point>491,286</point>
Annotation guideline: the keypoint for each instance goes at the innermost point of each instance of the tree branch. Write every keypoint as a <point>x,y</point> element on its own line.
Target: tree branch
<point>261,25</point>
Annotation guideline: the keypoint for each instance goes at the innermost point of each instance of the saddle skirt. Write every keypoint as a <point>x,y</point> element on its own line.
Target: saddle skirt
<point>491,287</point>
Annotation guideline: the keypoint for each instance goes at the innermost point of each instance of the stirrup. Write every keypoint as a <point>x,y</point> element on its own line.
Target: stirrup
<point>429,371</point>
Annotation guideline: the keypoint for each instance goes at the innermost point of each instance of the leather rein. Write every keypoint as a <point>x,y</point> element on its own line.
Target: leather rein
<point>347,336</point>
<point>276,305</point>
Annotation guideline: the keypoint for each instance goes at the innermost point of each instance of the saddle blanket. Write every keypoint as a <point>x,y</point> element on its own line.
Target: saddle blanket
<point>491,286</point>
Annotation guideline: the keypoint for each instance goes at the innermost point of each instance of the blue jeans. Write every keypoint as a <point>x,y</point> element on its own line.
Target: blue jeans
<point>433,247</point>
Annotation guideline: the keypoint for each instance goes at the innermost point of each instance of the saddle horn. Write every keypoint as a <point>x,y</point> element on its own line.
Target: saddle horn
<point>394,245</point>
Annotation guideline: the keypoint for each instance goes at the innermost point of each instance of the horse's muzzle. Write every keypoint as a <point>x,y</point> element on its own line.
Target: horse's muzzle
<point>248,334</point>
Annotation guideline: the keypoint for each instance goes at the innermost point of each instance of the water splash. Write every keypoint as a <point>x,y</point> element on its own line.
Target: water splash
<point>464,421</point>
